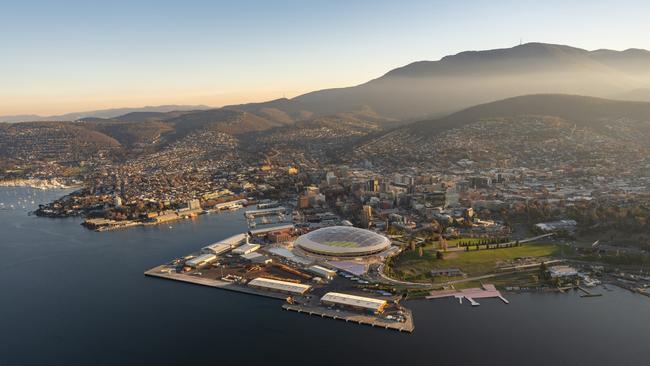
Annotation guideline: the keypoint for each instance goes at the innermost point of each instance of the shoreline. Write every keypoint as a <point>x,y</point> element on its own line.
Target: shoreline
<point>42,184</point>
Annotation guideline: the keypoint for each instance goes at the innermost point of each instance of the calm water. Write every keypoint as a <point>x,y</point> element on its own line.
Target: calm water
<point>69,296</point>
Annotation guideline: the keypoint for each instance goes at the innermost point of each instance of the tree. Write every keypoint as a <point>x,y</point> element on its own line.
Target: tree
<point>543,270</point>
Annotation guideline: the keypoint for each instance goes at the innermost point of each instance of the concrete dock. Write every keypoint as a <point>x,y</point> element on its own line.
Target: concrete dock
<point>406,326</point>
<point>471,294</point>
<point>161,272</point>
<point>346,316</point>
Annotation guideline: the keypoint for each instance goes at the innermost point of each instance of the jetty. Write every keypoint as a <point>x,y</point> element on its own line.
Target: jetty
<point>163,272</point>
<point>373,321</point>
<point>470,294</point>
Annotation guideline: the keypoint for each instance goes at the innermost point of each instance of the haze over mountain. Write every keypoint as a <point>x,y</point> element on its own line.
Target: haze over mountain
<point>102,113</point>
<point>428,88</point>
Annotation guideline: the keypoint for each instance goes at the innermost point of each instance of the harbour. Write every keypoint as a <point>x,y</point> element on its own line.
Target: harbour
<point>89,297</point>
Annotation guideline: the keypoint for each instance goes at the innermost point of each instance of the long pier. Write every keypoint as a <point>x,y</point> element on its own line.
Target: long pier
<point>406,326</point>
<point>161,272</point>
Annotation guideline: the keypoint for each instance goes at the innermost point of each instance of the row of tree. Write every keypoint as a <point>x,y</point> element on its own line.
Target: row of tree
<point>485,241</point>
<point>509,244</point>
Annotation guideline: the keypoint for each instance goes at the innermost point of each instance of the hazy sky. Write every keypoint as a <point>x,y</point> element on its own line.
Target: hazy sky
<point>64,56</point>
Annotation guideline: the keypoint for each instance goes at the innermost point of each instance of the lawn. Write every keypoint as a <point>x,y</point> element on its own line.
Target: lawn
<point>410,266</point>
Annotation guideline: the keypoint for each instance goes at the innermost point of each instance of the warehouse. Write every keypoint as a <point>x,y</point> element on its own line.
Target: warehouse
<point>234,240</point>
<point>279,286</point>
<point>225,245</point>
<point>257,258</point>
<point>375,306</point>
<point>246,249</point>
<point>284,228</point>
<point>322,272</point>
<point>201,260</point>
<point>217,248</point>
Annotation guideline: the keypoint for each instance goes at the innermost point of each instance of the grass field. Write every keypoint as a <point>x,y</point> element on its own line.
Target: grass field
<point>411,267</point>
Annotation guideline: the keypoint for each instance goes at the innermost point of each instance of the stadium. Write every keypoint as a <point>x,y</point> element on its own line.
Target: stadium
<point>343,241</point>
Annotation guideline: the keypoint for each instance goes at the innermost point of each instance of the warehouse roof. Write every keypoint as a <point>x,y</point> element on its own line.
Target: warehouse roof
<point>269,229</point>
<point>353,300</point>
<point>204,258</point>
<point>278,285</point>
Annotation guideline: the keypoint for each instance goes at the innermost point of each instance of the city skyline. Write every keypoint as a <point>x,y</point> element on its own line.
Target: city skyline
<point>80,56</point>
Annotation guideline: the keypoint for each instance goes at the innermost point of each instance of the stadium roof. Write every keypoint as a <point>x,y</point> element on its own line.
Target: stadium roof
<point>343,241</point>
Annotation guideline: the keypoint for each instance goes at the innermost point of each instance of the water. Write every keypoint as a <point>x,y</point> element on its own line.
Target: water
<point>70,296</point>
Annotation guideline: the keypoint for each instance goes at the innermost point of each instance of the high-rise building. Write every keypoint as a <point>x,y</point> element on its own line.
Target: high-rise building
<point>366,216</point>
<point>330,178</point>
<point>372,185</point>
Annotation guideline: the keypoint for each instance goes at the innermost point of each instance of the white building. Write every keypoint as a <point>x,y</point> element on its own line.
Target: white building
<point>562,271</point>
<point>279,286</point>
<point>246,249</point>
<point>201,260</point>
<point>217,248</point>
<point>257,258</point>
<point>225,245</point>
<point>357,302</point>
<point>322,272</point>
<point>568,225</point>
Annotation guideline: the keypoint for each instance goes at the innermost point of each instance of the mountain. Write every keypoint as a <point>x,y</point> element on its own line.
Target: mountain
<point>103,113</point>
<point>545,131</point>
<point>589,112</point>
<point>427,88</point>
<point>640,95</point>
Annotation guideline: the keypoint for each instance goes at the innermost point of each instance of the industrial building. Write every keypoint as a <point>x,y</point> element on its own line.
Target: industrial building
<point>562,271</point>
<point>257,258</point>
<point>272,229</point>
<point>343,241</point>
<point>322,272</point>
<point>217,248</point>
<point>225,245</point>
<point>279,286</point>
<point>246,249</point>
<point>375,306</point>
<point>201,260</point>
<point>234,240</point>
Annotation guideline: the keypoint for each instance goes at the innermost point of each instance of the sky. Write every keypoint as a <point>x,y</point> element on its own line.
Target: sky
<point>61,56</point>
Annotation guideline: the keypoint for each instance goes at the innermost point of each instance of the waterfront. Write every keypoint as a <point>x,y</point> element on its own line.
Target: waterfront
<point>76,297</point>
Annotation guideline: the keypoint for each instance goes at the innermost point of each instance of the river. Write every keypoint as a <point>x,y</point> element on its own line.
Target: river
<point>70,296</point>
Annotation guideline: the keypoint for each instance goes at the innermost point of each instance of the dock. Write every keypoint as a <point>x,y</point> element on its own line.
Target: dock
<point>357,318</point>
<point>470,294</point>
<point>161,272</point>
<point>587,293</point>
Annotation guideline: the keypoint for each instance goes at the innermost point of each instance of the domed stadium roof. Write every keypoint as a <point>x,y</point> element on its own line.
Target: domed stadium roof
<point>343,241</point>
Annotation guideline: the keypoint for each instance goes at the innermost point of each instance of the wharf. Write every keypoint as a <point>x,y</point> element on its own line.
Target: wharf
<point>373,321</point>
<point>486,291</point>
<point>160,272</point>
